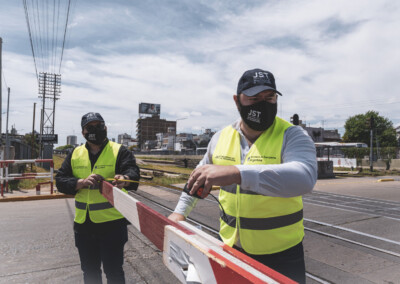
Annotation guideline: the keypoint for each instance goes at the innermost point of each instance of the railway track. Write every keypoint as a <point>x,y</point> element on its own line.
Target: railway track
<point>354,239</point>
<point>162,171</point>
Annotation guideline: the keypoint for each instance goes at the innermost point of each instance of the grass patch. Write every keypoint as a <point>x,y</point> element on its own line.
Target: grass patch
<point>31,183</point>
<point>365,172</point>
<point>58,160</point>
<point>167,180</point>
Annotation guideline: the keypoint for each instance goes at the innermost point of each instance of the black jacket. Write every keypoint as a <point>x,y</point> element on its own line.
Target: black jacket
<point>66,183</point>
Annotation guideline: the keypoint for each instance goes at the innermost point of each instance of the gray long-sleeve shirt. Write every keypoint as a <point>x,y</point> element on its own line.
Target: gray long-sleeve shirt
<point>295,176</point>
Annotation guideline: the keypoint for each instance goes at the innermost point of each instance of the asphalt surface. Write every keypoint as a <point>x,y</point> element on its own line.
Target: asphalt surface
<point>37,246</point>
<point>37,243</point>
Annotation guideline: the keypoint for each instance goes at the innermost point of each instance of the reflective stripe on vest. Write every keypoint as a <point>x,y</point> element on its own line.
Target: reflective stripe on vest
<point>265,224</point>
<point>100,210</point>
<point>93,207</point>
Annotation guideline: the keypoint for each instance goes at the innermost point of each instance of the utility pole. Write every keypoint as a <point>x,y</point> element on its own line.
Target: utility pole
<point>370,124</point>
<point>7,153</point>
<point>33,131</point>
<point>49,89</point>
<point>1,88</point>
<point>371,167</point>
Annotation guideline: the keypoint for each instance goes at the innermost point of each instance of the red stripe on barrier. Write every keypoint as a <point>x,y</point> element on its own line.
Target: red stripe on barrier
<point>151,222</point>
<point>257,265</point>
<point>106,189</point>
<point>230,272</point>
<point>152,225</point>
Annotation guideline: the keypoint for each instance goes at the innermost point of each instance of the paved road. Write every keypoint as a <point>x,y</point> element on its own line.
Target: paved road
<point>37,246</point>
<point>36,237</point>
<point>352,228</point>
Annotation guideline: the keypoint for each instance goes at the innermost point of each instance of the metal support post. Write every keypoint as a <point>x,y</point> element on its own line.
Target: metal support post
<point>7,152</point>
<point>1,88</point>
<point>371,167</point>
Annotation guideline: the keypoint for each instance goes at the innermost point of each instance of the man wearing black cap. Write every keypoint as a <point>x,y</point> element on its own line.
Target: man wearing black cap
<point>100,230</point>
<point>264,165</point>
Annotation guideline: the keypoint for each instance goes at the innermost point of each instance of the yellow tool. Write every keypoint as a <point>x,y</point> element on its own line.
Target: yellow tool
<point>145,183</point>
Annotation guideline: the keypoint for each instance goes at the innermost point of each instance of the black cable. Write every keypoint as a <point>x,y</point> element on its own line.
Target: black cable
<point>224,217</point>
<point>34,31</point>
<point>40,34</point>
<point>52,38</point>
<point>65,32</point>
<point>56,40</point>
<point>30,37</point>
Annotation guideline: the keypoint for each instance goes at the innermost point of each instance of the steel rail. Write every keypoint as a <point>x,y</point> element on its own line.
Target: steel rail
<point>213,230</point>
<point>312,230</point>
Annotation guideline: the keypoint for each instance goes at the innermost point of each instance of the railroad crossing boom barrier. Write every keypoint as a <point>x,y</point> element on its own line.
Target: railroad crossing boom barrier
<point>5,176</point>
<point>190,254</point>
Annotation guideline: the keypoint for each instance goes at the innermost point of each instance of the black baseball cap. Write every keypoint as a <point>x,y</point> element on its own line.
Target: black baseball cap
<point>255,81</point>
<point>91,116</point>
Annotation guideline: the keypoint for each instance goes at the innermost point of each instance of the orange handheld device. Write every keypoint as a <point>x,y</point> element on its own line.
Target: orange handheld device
<point>197,194</point>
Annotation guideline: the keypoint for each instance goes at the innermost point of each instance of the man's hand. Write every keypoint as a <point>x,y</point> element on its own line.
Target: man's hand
<point>91,181</point>
<point>176,217</point>
<point>120,184</point>
<point>209,175</point>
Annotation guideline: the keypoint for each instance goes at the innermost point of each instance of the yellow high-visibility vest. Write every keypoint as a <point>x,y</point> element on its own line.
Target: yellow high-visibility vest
<point>265,224</point>
<point>87,199</point>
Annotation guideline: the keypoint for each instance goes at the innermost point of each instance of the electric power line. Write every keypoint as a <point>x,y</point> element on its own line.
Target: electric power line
<point>65,32</point>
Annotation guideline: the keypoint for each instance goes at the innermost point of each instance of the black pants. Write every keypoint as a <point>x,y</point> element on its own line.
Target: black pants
<point>289,262</point>
<point>106,248</point>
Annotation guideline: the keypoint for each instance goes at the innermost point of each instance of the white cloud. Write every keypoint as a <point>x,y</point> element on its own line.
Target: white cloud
<point>331,60</point>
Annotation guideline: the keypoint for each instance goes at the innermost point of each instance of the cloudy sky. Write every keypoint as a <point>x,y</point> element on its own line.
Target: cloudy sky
<point>331,60</point>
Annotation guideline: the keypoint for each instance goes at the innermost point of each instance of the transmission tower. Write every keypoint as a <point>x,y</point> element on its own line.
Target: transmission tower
<point>49,92</point>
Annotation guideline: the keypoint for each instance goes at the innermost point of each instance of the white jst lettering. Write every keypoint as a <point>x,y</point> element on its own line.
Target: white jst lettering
<point>261,76</point>
<point>254,113</point>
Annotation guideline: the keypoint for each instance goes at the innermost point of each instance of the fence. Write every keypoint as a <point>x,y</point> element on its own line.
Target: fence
<point>5,176</point>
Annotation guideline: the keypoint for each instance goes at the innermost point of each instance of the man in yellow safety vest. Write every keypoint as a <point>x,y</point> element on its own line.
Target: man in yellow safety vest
<point>264,165</point>
<point>100,230</point>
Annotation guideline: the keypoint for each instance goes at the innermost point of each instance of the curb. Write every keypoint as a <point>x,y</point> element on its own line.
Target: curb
<point>385,179</point>
<point>35,197</point>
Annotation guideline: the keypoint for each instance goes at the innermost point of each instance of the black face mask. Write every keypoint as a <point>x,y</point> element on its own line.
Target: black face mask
<point>259,116</point>
<point>96,134</point>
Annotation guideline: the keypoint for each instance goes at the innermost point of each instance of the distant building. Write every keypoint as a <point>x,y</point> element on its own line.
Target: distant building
<point>318,134</point>
<point>148,127</point>
<point>124,139</point>
<point>72,140</point>
<point>203,139</point>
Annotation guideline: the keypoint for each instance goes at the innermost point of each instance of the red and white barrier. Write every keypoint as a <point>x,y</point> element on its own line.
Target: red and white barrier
<point>5,176</point>
<point>189,253</point>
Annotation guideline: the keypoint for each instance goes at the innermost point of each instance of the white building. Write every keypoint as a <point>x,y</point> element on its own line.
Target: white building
<point>72,140</point>
<point>124,139</point>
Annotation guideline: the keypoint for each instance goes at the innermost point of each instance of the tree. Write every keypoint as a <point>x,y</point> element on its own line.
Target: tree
<point>35,147</point>
<point>65,147</point>
<point>357,129</point>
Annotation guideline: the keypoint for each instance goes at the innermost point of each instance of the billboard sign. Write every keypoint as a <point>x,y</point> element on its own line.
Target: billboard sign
<point>47,138</point>
<point>153,109</point>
